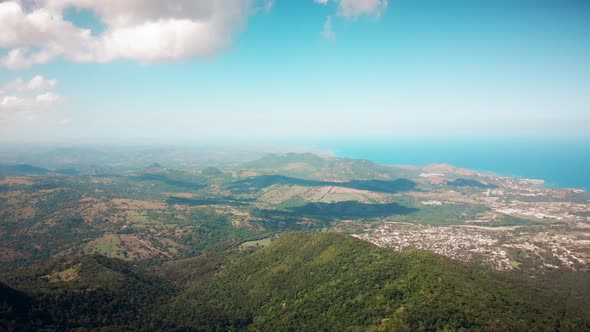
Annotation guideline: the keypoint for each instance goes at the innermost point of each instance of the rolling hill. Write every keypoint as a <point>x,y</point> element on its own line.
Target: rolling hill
<point>301,281</point>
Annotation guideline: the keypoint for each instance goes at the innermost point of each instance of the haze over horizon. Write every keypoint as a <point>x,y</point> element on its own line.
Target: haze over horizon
<point>73,69</point>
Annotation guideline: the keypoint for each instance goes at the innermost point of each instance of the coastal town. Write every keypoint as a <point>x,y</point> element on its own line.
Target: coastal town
<point>522,226</point>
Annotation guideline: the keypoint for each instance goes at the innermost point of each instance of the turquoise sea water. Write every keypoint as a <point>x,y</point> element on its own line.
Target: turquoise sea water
<point>561,163</point>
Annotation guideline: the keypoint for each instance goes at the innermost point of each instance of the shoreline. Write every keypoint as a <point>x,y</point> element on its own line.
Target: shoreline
<point>545,185</point>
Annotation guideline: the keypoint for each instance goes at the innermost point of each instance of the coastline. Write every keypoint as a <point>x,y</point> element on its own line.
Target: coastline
<point>556,168</point>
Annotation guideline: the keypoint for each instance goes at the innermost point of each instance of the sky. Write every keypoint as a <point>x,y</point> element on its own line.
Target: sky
<point>210,69</point>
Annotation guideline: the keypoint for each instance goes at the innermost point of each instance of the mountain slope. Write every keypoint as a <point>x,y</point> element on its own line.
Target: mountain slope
<point>300,282</point>
<point>311,167</point>
<point>334,282</point>
<point>86,292</point>
<point>22,170</point>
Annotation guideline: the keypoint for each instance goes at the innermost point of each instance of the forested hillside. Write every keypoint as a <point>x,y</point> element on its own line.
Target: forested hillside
<point>300,281</point>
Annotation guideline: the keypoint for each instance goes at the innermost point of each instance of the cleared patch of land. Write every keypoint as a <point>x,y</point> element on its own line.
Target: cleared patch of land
<point>258,243</point>
<point>16,181</point>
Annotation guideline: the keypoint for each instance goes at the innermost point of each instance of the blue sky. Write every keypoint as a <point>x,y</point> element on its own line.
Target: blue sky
<point>408,68</point>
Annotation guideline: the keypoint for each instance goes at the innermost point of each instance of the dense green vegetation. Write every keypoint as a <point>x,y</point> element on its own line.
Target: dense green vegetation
<point>330,282</point>
<point>22,169</point>
<point>88,292</point>
<point>300,281</point>
<point>211,249</point>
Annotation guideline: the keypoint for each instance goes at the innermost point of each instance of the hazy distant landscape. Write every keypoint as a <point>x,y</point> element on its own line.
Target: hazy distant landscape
<point>282,165</point>
<point>177,226</point>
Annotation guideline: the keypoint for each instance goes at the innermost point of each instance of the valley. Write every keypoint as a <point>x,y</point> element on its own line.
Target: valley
<point>162,213</point>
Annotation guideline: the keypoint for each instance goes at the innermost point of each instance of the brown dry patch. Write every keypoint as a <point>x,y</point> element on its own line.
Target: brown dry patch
<point>124,217</point>
<point>452,196</point>
<point>137,205</point>
<point>70,274</point>
<point>49,191</point>
<point>363,196</point>
<point>343,190</point>
<point>322,191</point>
<point>101,180</point>
<point>446,169</point>
<point>179,232</point>
<point>245,222</point>
<point>11,194</point>
<point>277,195</point>
<point>306,222</point>
<point>247,174</point>
<point>141,247</point>
<point>180,195</point>
<point>16,180</point>
<point>50,222</point>
<point>26,212</point>
<point>94,212</point>
<point>298,166</point>
<point>432,178</point>
<point>181,208</point>
<point>488,228</point>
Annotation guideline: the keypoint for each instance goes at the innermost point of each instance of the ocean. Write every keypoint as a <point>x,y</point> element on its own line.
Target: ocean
<point>562,163</point>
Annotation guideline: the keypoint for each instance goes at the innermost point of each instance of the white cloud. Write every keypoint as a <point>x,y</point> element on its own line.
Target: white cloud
<point>39,83</point>
<point>48,99</point>
<point>328,33</point>
<point>144,30</point>
<point>36,83</point>
<point>11,102</point>
<point>12,86</point>
<point>352,9</point>
<point>26,99</point>
<point>37,36</point>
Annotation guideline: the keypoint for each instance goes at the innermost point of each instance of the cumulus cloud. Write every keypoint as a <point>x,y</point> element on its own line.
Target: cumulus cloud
<point>36,83</point>
<point>355,8</point>
<point>352,9</point>
<point>47,99</point>
<point>36,32</point>
<point>39,83</point>
<point>11,102</point>
<point>26,99</point>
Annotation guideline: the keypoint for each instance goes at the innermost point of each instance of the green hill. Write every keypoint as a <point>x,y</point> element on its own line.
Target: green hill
<point>338,283</point>
<point>22,170</point>
<point>81,293</point>
<point>300,282</point>
<point>312,167</point>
